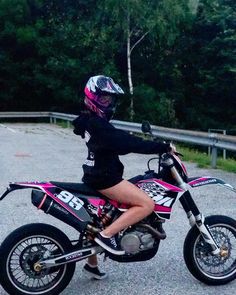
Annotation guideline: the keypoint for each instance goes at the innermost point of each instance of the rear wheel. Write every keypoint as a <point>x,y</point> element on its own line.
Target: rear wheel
<point>22,249</point>
<point>212,269</point>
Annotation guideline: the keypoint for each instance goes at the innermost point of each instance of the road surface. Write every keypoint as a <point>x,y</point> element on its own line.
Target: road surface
<point>44,152</point>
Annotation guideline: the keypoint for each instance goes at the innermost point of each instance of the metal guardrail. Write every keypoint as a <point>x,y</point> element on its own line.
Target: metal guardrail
<point>213,140</point>
<point>24,114</point>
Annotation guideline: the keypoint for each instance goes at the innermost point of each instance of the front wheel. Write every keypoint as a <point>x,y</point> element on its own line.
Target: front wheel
<point>22,249</point>
<point>203,265</point>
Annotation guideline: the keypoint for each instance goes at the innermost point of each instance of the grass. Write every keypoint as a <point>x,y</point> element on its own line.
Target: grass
<point>203,160</point>
<point>62,123</point>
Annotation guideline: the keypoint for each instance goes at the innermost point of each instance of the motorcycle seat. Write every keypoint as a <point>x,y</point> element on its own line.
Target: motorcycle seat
<point>84,189</point>
<point>77,188</point>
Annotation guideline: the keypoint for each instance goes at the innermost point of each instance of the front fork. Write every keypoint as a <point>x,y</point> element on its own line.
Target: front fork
<point>196,218</point>
<point>191,209</point>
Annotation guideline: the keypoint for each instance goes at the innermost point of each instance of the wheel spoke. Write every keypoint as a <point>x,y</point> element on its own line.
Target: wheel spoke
<point>219,266</point>
<point>23,258</point>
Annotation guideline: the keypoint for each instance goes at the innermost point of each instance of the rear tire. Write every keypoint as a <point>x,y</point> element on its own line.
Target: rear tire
<point>25,246</point>
<point>208,268</point>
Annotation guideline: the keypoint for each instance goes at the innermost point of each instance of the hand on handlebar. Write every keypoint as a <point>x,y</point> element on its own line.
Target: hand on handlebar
<point>168,148</point>
<point>172,148</point>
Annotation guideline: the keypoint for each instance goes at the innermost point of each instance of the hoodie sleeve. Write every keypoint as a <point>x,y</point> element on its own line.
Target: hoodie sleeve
<point>121,142</point>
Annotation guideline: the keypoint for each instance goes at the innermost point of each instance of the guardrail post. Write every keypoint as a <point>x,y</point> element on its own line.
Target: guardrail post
<point>224,151</point>
<point>68,124</point>
<point>210,134</point>
<point>213,156</point>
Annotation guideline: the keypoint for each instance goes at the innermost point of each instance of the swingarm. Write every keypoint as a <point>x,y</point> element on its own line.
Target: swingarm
<point>66,258</point>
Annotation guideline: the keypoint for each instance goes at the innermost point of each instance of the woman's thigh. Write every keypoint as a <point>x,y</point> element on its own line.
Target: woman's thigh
<point>126,192</point>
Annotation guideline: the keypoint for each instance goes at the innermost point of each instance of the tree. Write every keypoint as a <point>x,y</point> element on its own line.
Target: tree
<point>49,48</point>
<point>138,19</point>
<point>210,69</point>
<point>173,69</point>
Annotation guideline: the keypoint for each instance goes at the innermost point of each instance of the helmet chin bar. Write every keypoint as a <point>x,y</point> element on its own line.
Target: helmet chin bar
<point>92,107</point>
<point>103,112</point>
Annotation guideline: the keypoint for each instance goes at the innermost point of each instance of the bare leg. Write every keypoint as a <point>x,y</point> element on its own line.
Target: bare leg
<point>92,260</point>
<point>141,206</point>
<point>91,269</point>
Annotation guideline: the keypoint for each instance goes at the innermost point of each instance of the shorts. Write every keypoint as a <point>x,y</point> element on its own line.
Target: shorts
<point>102,183</point>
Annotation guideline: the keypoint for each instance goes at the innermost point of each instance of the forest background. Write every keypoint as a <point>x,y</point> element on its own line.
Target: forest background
<point>182,58</point>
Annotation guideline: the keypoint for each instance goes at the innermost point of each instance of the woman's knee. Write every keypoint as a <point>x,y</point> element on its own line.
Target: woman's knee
<point>143,200</point>
<point>149,204</point>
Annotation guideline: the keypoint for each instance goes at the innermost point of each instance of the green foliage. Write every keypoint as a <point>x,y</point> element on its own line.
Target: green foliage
<point>209,70</point>
<point>183,70</point>
<point>158,106</point>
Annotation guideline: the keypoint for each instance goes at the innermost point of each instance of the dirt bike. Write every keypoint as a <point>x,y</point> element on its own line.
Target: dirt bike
<point>40,259</point>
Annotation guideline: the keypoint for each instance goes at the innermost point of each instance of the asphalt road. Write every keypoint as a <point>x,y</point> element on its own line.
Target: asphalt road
<point>43,152</point>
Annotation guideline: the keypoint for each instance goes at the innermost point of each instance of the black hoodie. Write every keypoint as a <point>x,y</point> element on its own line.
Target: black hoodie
<point>105,143</point>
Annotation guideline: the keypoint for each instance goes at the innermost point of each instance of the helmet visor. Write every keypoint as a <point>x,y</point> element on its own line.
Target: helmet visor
<point>107,100</point>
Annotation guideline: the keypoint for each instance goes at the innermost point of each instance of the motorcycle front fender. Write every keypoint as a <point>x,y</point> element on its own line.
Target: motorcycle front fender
<point>207,180</point>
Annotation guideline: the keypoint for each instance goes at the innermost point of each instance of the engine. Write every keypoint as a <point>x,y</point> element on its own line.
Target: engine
<point>134,241</point>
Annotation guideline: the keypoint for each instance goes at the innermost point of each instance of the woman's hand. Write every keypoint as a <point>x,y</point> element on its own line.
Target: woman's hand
<point>172,149</point>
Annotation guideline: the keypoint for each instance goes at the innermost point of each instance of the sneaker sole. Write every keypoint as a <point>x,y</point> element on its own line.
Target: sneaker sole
<point>93,276</point>
<point>103,245</point>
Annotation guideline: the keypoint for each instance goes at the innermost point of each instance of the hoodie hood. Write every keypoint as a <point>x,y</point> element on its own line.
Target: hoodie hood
<point>80,124</point>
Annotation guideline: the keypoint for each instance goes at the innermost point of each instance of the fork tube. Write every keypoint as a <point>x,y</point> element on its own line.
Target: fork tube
<point>206,234</point>
<point>185,205</point>
<point>189,206</point>
<point>188,203</point>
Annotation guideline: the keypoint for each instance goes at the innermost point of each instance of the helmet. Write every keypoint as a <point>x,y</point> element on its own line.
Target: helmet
<point>101,95</point>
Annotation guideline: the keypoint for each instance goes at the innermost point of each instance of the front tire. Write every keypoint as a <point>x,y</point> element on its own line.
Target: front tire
<point>207,268</point>
<point>22,249</point>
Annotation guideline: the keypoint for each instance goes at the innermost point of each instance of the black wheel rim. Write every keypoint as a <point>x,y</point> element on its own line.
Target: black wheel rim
<point>21,260</point>
<point>217,266</point>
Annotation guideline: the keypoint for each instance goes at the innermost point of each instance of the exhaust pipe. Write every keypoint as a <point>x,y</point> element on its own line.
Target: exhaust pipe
<point>155,232</point>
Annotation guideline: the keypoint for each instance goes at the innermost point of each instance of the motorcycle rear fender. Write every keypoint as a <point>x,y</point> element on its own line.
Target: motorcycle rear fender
<point>23,185</point>
<point>206,180</point>
<point>10,189</point>
<point>66,200</point>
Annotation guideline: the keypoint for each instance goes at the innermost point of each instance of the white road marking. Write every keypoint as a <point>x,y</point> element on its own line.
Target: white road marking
<point>4,126</point>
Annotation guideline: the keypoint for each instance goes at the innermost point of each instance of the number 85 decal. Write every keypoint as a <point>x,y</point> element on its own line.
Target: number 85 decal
<point>70,199</point>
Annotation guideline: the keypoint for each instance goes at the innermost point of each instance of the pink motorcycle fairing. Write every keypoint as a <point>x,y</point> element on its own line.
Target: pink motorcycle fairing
<point>162,193</point>
<point>206,180</point>
<point>68,202</point>
<point>77,204</point>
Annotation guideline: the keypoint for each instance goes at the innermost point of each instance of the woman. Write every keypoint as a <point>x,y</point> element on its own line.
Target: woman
<point>103,170</point>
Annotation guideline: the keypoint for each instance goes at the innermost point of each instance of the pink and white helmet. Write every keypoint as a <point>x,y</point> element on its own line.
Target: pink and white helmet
<point>101,95</point>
